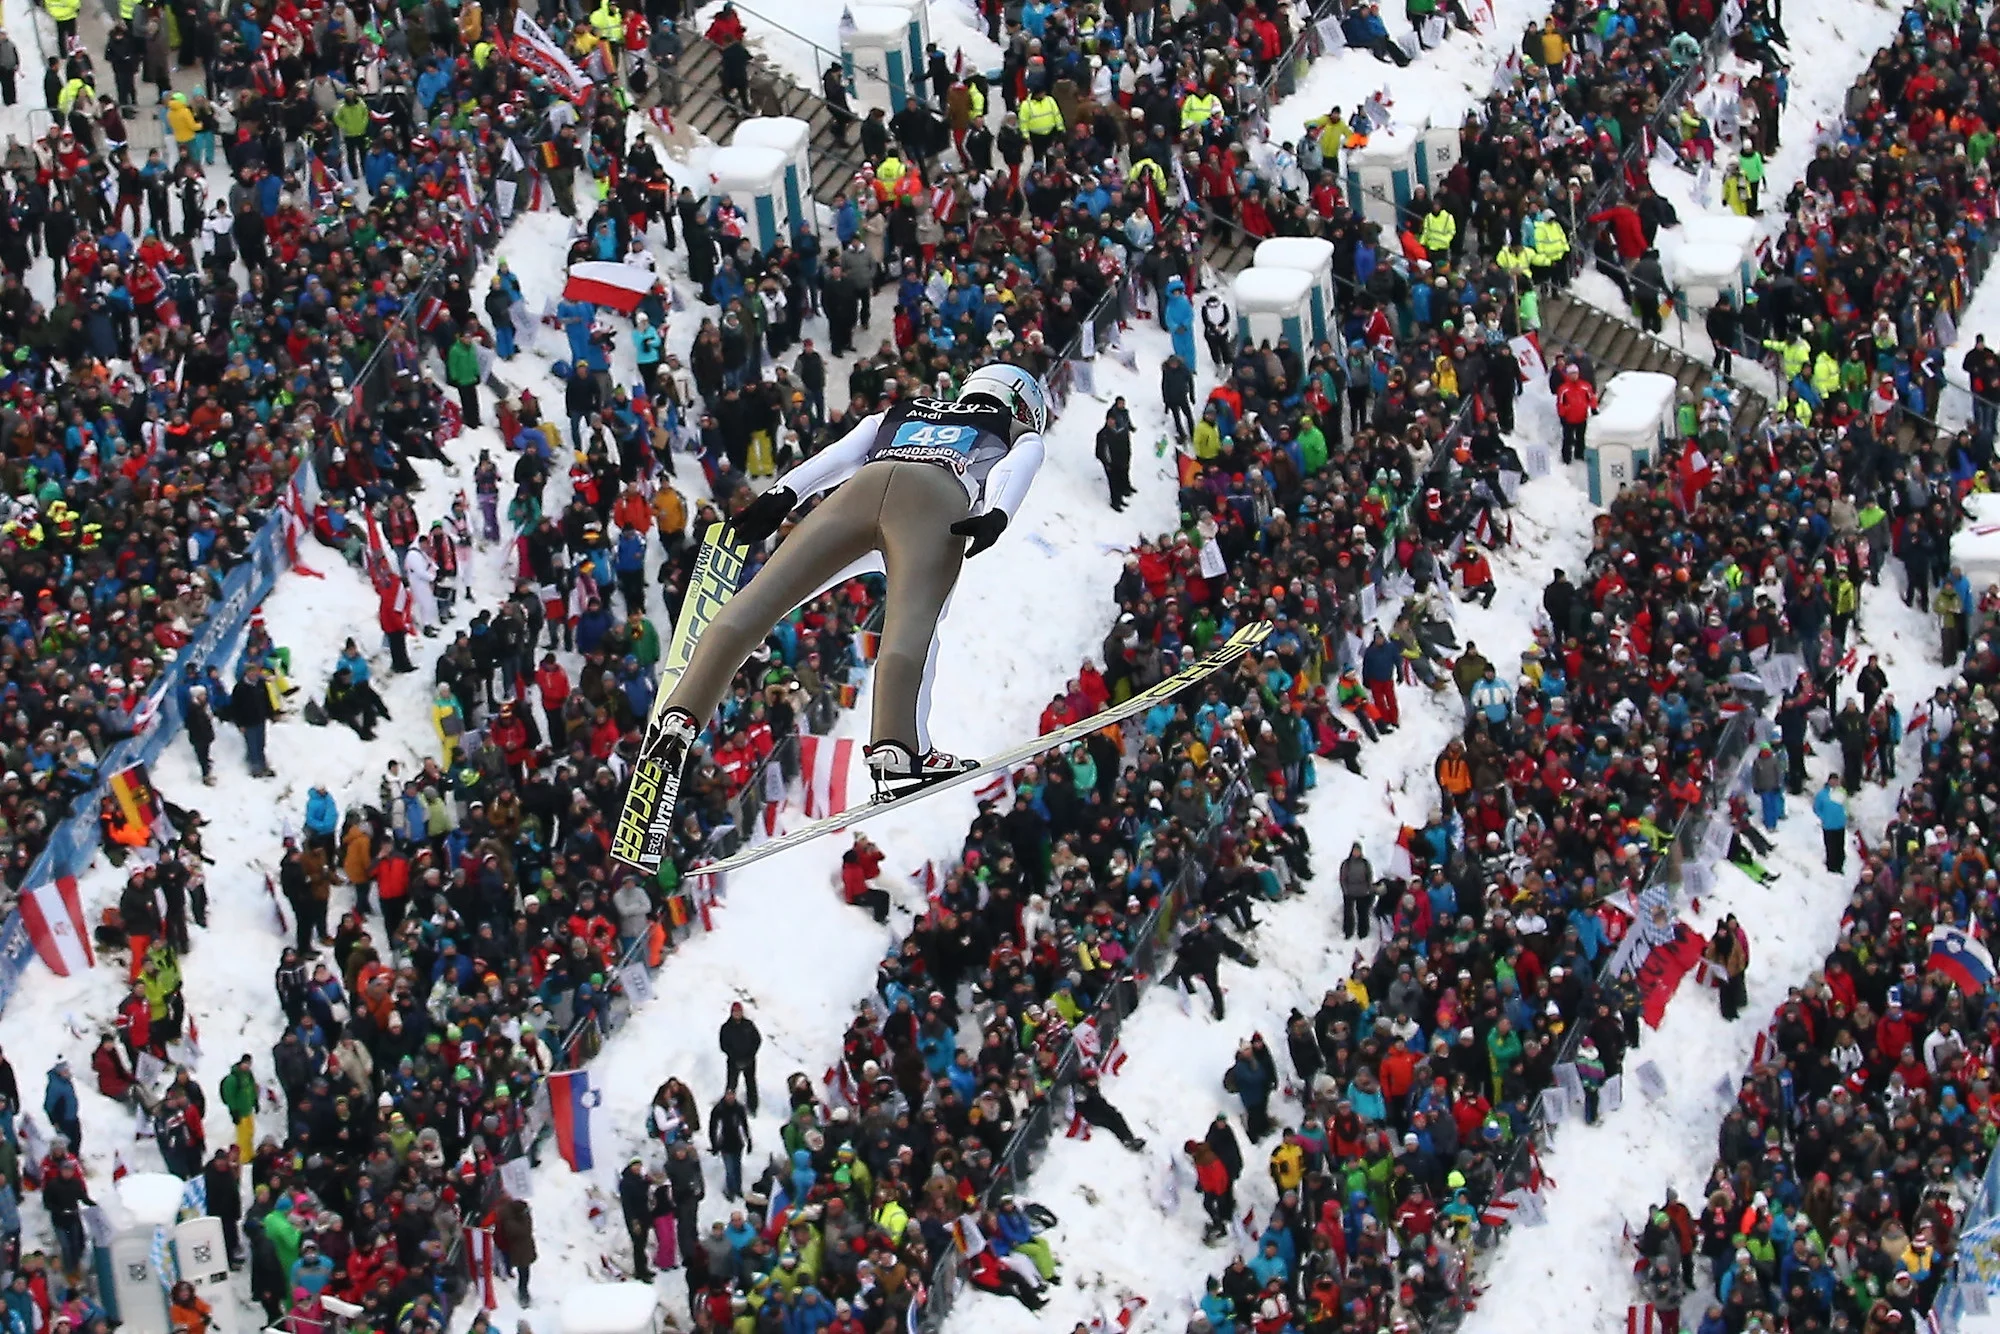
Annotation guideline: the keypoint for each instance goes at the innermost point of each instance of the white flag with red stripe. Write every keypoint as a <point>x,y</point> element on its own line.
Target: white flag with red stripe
<point>998,789</point>
<point>479,1255</point>
<point>824,763</point>
<point>53,915</point>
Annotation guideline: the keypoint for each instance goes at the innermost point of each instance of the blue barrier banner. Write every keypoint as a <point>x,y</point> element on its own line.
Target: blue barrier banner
<point>73,842</point>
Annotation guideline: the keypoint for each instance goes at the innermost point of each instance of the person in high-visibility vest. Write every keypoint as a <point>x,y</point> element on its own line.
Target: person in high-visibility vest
<point>1551,249</point>
<point>1042,122</point>
<point>1516,259</point>
<point>64,13</point>
<point>75,91</point>
<point>607,21</point>
<point>1197,109</point>
<point>1793,356</point>
<point>1439,230</point>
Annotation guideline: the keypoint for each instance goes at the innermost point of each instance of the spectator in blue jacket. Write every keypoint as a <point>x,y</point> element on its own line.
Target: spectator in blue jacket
<point>1832,813</point>
<point>322,818</point>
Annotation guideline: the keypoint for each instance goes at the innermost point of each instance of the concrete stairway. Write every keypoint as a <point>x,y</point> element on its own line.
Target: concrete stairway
<point>701,108</point>
<point>1618,346</point>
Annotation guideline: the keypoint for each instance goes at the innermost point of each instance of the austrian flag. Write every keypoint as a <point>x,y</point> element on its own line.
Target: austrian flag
<point>53,915</point>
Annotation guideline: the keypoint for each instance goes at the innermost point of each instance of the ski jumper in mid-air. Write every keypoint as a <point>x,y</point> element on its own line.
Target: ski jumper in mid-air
<point>913,483</point>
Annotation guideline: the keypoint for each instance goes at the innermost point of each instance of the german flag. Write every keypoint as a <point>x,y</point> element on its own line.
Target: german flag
<point>137,807</point>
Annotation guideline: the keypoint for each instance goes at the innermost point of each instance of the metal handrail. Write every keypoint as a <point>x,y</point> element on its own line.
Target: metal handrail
<point>831,57</point>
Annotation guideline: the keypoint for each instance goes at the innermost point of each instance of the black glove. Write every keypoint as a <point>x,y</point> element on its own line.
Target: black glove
<point>983,529</point>
<point>761,517</point>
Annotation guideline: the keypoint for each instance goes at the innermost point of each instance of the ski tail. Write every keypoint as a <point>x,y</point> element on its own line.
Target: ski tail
<point>1221,656</point>
<point>645,823</point>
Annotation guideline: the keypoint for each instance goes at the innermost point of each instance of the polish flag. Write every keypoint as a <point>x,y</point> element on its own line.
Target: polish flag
<point>53,914</point>
<point>603,283</point>
<point>998,789</point>
<point>825,763</point>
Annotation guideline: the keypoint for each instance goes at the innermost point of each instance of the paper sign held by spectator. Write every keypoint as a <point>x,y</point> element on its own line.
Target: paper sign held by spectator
<point>1369,602</point>
<point>1697,879</point>
<point>1570,1082</point>
<point>150,1069</point>
<point>1537,460</point>
<point>638,983</point>
<point>1086,342</point>
<point>1212,564</point>
<point>1652,1084</point>
<point>1715,837</point>
<point>1531,1213</point>
<point>1612,1096</point>
<point>1331,38</point>
<point>517,1178</point>
<point>1555,1106</point>
<point>1082,376</point>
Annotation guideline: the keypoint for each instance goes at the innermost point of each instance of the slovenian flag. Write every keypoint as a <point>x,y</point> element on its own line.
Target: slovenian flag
<point>570,1101</point>
<point>1962,959</point>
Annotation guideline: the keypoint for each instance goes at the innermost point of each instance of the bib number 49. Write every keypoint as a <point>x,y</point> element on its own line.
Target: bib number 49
<point>935,436</point>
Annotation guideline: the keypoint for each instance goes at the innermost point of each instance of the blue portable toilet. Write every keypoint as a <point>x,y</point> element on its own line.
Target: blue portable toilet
<point>792,137</point>
<point>1274,304</point>
<point>1313,256</point>
<point>754,180</point>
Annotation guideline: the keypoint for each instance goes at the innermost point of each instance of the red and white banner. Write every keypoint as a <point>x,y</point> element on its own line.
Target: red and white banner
<point>824,762</point>
<point>998,789</point>
<point>53,915</point>
<point>532,46</point>
<point>479,1256</point>
<point>604,283</point>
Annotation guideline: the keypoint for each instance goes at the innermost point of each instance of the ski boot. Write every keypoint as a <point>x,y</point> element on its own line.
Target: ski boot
<point>668,744</point>
<point>898,770</point>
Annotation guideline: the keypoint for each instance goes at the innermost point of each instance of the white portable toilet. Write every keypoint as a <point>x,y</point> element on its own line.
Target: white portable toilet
<point>875,55</point>
<point>140,1257</point>
<point>1274,304</point>
<point>916,31</point>
<point>201,1254</point>
<point>1310,255</point>
<point>1731,233</point>
<point>1381,174</point>
<point>1633,427</point>
<point>792,137</point>
<point>1704,272</point>
<point>1438,151</point>
<point>1975,547</point>
<point>610,1308</point>
<point>754,179</point>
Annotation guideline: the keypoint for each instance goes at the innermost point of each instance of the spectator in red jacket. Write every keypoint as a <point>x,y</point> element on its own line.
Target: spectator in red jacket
<point>859,866</point>
<point>1575,401</point>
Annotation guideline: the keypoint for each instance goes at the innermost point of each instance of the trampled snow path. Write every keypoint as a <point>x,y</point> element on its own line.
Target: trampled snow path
<point>1578,1269</point>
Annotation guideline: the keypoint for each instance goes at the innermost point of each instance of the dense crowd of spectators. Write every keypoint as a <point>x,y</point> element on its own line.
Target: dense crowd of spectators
<point>1835,1197</point>
<point>1855,302</point>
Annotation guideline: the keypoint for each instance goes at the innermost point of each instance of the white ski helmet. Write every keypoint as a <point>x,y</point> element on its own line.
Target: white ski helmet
<point>1012,388</point>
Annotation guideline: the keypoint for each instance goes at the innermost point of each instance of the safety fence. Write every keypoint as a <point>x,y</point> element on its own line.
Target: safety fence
<point>73,841</point>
